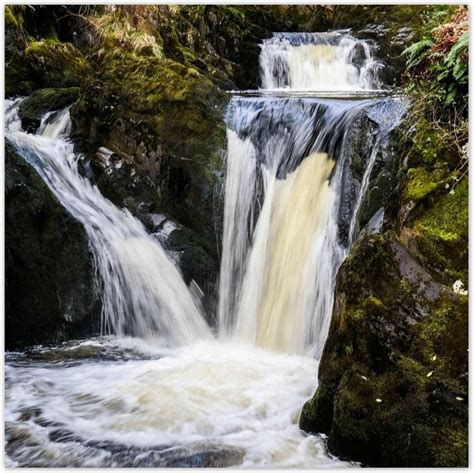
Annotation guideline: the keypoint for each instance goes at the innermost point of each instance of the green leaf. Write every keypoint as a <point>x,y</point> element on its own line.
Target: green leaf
<point>417,51</point>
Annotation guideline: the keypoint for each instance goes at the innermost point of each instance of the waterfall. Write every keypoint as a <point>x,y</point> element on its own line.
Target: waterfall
<point>280,246</point>
<point>286,156</point>
<point>142,291</point>
<point>318,61</point>
<point>293,196</point>
<point>284,182</point>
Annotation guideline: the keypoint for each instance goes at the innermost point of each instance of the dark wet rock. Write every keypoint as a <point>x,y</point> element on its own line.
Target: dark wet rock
<point>49,293</point>
<point>61,355</point>
<point>374,131</point>
<point>121,183</point>
<point>383,180</point>
<point>41,101</point>
<point>159,456</point>
<point>374,31</point>
<point>392,386</point>
<point>168,456</point>
<point>211,457</point>
<point>358,148</point>
<point>374,225</point>
<point>199,262</point>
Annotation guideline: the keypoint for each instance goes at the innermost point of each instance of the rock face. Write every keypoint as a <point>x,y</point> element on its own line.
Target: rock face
<point>49,293</point>
<point>393,377</point>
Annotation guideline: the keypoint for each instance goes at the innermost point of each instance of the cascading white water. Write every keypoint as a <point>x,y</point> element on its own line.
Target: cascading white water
<point>112,402</point>
<point>142,291</point>
<point>280,247</point>
<point>318,61</point>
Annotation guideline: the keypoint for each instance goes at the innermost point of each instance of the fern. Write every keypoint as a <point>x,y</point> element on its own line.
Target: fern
<point>417,52</point>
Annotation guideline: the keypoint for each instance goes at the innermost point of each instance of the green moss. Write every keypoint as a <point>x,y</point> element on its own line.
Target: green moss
<point>429,144</point>
<point>55,64</point>
<point>442,233</point>
<point>419,184</point>
<point>372,301</point>
<point>349,349</point>
<point>454,447</point>
<point>406,286</point>
<point>356,314</point>
<point>40,47</point>
<point>447,220</point>
<point>12,20</point>
<point>44,100</point>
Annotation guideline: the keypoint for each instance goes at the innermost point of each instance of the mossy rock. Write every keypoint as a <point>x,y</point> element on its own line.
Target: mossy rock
<point>420,183</point>
<point>41,101</point>
<point>55,64</point>
<point>166,120</point>
<point>393,376</point>
<point>442,234</point>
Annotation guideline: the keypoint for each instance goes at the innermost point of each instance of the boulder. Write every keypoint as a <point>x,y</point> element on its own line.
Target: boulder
<point>393,386</point>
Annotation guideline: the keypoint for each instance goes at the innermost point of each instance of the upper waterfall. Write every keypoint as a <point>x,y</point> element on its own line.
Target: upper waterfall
<point>318,61</point>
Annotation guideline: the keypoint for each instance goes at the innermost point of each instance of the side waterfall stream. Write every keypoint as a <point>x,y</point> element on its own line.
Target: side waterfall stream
<point>160,388</point>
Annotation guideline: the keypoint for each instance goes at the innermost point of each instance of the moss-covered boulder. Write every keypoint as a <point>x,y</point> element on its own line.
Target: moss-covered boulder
<point>393,385</point>
<point>38,63</point>
<point>41,101</point>
<point>49,290</point>
<point>56,64</point>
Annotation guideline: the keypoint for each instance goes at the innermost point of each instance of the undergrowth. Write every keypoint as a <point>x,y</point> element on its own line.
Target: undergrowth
<point>436,81</point>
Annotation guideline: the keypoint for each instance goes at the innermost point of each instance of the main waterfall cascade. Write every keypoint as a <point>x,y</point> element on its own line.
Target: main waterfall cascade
<point>280,247</point>
<point>158,389</point>
<point>285,182</point>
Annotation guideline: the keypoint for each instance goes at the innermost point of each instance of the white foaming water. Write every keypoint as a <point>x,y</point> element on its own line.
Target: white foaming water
<point>318,61</point>
<point>238,402</point>
<point>142,291</point>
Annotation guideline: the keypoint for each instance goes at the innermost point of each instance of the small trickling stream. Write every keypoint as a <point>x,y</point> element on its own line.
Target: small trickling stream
<point>160,387</point>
